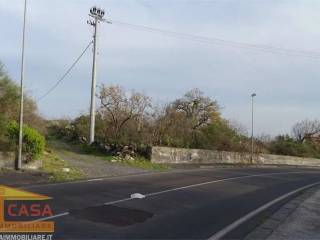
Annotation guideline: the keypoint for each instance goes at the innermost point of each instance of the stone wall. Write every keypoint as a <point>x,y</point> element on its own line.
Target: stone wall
<point>6,159</point>
<point>200,156</point>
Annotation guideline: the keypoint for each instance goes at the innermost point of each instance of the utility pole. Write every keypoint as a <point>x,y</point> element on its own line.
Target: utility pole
<point>18,161</point>
<point>97,15</point>
<point>252,143</point>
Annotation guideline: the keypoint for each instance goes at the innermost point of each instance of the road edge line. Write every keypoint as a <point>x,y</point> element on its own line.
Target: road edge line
<point>111,178</point>
<point>181,188</point>
<point>251,214</point>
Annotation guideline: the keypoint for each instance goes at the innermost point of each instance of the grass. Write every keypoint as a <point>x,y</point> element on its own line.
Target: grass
<point>58,169</point>
<point>76,148</point>
<point>138,162</point>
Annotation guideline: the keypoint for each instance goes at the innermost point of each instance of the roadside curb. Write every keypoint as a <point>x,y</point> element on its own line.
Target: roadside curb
<point>265,229</point>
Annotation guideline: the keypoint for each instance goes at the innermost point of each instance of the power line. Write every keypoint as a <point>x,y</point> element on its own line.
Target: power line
<point>65,74</point>
<point>196,38</point>
<point>218,41</point>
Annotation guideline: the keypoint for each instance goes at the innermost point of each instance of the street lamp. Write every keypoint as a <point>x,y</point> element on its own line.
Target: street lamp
<point>97,16</point>
<point>252,148</point>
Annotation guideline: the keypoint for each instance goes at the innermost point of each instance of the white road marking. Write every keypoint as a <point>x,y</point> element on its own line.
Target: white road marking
<point>245,218</point>
<point>117,177</point>
<point>50,217</point>
<point>180,188</point>
<point>95,179</point>
<point>118,201</point>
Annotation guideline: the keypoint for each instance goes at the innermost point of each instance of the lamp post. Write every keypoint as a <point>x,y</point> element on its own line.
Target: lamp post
<point>18,161</point>
<point>252,141</point>
<point>97,16</point>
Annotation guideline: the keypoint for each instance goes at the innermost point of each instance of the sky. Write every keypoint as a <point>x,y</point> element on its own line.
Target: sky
<point>164,67</point>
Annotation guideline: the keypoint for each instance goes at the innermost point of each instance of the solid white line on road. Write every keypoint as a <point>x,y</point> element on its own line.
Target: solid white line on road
<point>129,175</point>
<point>250,215</point>
<point>118,201</point>
<point>182,188</point>
<point>117,177</point>
<point>51,217</point>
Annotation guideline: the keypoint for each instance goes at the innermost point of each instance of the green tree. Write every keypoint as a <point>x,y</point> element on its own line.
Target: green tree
<point>10,102</point>
<point>9,109</point>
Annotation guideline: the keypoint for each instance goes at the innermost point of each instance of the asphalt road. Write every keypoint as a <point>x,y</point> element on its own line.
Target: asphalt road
<point>189,204</point>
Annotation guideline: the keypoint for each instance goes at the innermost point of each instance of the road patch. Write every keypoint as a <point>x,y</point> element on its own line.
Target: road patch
<point>113,215</point>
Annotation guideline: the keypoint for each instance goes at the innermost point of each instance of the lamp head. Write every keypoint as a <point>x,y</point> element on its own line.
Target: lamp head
<point>97,12</point>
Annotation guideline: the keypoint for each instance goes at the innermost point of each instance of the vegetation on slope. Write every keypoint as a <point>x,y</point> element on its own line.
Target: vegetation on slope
<point>128,124</point>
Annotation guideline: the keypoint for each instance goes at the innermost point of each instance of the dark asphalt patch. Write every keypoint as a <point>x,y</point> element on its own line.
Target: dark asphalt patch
<point>109,214</point>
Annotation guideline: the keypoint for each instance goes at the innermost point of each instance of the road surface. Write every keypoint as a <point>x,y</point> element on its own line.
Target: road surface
<point>193,204</point>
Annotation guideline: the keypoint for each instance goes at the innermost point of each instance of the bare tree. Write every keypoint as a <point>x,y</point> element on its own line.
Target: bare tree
<point>306,129</point>
<point>198,108</point>
<point>118,107</point>
<point>238,127</point>
<point>187,115</point>
<point>169,126</point>
<point>264,138</point>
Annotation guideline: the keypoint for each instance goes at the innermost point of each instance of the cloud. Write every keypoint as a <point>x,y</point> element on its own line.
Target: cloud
<point>166,67</point>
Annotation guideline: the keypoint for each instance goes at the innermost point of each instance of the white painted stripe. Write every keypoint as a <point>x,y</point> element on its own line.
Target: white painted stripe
<point>136,175</point>
<point>250,215</point>
<point>118,201</point>
<point>95,179</point>
<point>51,217</point>
<point>184,187</point>
<point>118,177</point>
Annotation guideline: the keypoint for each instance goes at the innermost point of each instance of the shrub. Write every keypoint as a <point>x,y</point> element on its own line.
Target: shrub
<point>33,142</point>
<point>285,145</point>
<point>219,135</point>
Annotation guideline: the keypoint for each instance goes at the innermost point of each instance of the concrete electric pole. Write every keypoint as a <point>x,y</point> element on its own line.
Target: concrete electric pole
<point>97,15</point>
<point>18,161</point>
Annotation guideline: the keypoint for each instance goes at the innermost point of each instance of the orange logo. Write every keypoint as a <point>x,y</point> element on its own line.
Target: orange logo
<point>24,212</point>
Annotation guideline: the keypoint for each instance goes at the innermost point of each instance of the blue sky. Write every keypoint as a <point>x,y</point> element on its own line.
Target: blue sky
<point>164,67</point>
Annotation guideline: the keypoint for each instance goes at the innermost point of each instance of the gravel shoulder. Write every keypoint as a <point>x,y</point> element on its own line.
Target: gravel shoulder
<point>63,156</point>
<point>92,166</point>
